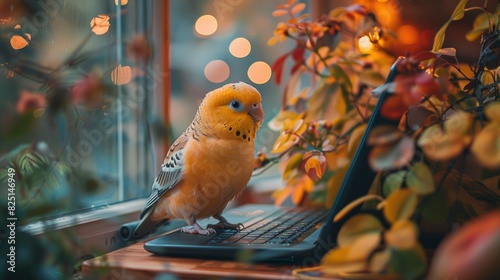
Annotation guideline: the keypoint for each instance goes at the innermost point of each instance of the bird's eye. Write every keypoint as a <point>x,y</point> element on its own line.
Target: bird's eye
<point>236,105</point>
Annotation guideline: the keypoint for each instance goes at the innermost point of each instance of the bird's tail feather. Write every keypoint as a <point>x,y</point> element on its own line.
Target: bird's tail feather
<point>139,229</point>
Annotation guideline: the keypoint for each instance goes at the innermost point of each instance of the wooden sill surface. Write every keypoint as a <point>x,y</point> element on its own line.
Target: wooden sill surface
<point>133,262</point>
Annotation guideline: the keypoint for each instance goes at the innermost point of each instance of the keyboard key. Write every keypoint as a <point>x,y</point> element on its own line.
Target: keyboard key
<point>279,228</point>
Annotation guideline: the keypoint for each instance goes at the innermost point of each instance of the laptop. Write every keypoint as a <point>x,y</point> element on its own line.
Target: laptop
<point>278,234</point>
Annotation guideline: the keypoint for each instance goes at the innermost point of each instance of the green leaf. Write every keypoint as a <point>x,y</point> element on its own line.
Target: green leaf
<point>408,264</point>
<point>459,11</point>
<point>14,153</point>
<point>420,179</point>
<point>393,182</point>
<point>434,208</point>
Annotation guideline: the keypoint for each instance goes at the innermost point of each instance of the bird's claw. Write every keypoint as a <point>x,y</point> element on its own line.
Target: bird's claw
<point>194,230</point>
<point>226,225</point>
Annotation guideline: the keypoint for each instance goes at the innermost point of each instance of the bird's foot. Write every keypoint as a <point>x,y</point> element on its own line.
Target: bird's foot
<point>224,224</point>
<point>197,229</point>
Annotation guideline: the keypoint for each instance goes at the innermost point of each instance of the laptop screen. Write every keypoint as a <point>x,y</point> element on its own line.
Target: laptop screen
<point>359,176</point>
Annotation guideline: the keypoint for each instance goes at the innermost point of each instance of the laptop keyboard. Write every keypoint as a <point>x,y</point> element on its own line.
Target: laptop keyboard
<point>285,227</point>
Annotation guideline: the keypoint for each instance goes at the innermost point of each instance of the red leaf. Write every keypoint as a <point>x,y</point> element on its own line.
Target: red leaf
<point>394,107</point>
<point>298,54</point>
<point>278,68</point>
<point>295,67</point>
<point>423,56</point>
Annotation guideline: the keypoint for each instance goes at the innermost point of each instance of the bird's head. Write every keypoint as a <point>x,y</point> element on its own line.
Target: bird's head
<point>233,109</point>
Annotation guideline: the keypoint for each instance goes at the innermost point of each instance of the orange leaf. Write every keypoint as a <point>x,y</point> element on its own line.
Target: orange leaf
<point>121,75</point>
<point>298,8</point>
<point>279,13</point>
<point>315,167</point>
<point>100,24</point>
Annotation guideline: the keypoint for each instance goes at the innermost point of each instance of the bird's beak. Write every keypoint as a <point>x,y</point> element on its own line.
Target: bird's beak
<point>257,113</point>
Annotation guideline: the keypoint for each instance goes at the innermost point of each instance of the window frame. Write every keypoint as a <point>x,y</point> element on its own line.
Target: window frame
<point>98,228</point>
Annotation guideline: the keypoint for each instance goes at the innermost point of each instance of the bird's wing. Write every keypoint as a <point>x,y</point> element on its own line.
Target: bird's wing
<point>170,172</point>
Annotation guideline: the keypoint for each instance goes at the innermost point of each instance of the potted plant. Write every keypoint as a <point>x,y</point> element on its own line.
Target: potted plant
<point>433,170</point>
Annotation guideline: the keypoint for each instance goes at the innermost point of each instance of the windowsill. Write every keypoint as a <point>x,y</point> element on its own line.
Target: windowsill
<point>98,228</point>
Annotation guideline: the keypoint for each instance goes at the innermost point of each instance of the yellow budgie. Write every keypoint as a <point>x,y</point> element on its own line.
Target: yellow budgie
<point>209,164</point>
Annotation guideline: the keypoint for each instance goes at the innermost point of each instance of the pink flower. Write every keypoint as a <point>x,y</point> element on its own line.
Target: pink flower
<point>30,102</point>
<point>88,91</point>
<point>139,49</point>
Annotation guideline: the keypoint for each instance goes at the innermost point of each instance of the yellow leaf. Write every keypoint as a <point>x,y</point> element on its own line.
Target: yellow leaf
<point>460,123</point>
<point>277,123</point>
<point>459,12</point>
<point>355,204</point>
<point>486,78</point>
<point>284,143</point>
<point>333,185</point>
<point>334,262</point>
<point>280,195</point>
<point>364,245</point>
<point>272,41</point>
<point>122,2</point>
<point>379,261</point>
<point>357,226</point>
<point>486,146</point>
<point>299,127</point>
<point>402,235</point>
<point>439,144</point>
<point>352,258</point>
<point>481,23</point>
<point>439,37</point>
<point>292,163</point>
<point>400,205</point>
<point>492,111</point>
<point>302,185</point>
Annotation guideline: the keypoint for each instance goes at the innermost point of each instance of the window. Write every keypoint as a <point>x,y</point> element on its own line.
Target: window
<point>218,42</point>
<point>80,87</point>
<point>85,98</point>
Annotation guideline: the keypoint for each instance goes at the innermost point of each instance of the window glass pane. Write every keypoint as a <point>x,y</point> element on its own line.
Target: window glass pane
<point>218,42</point>
<point>77,95</point>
